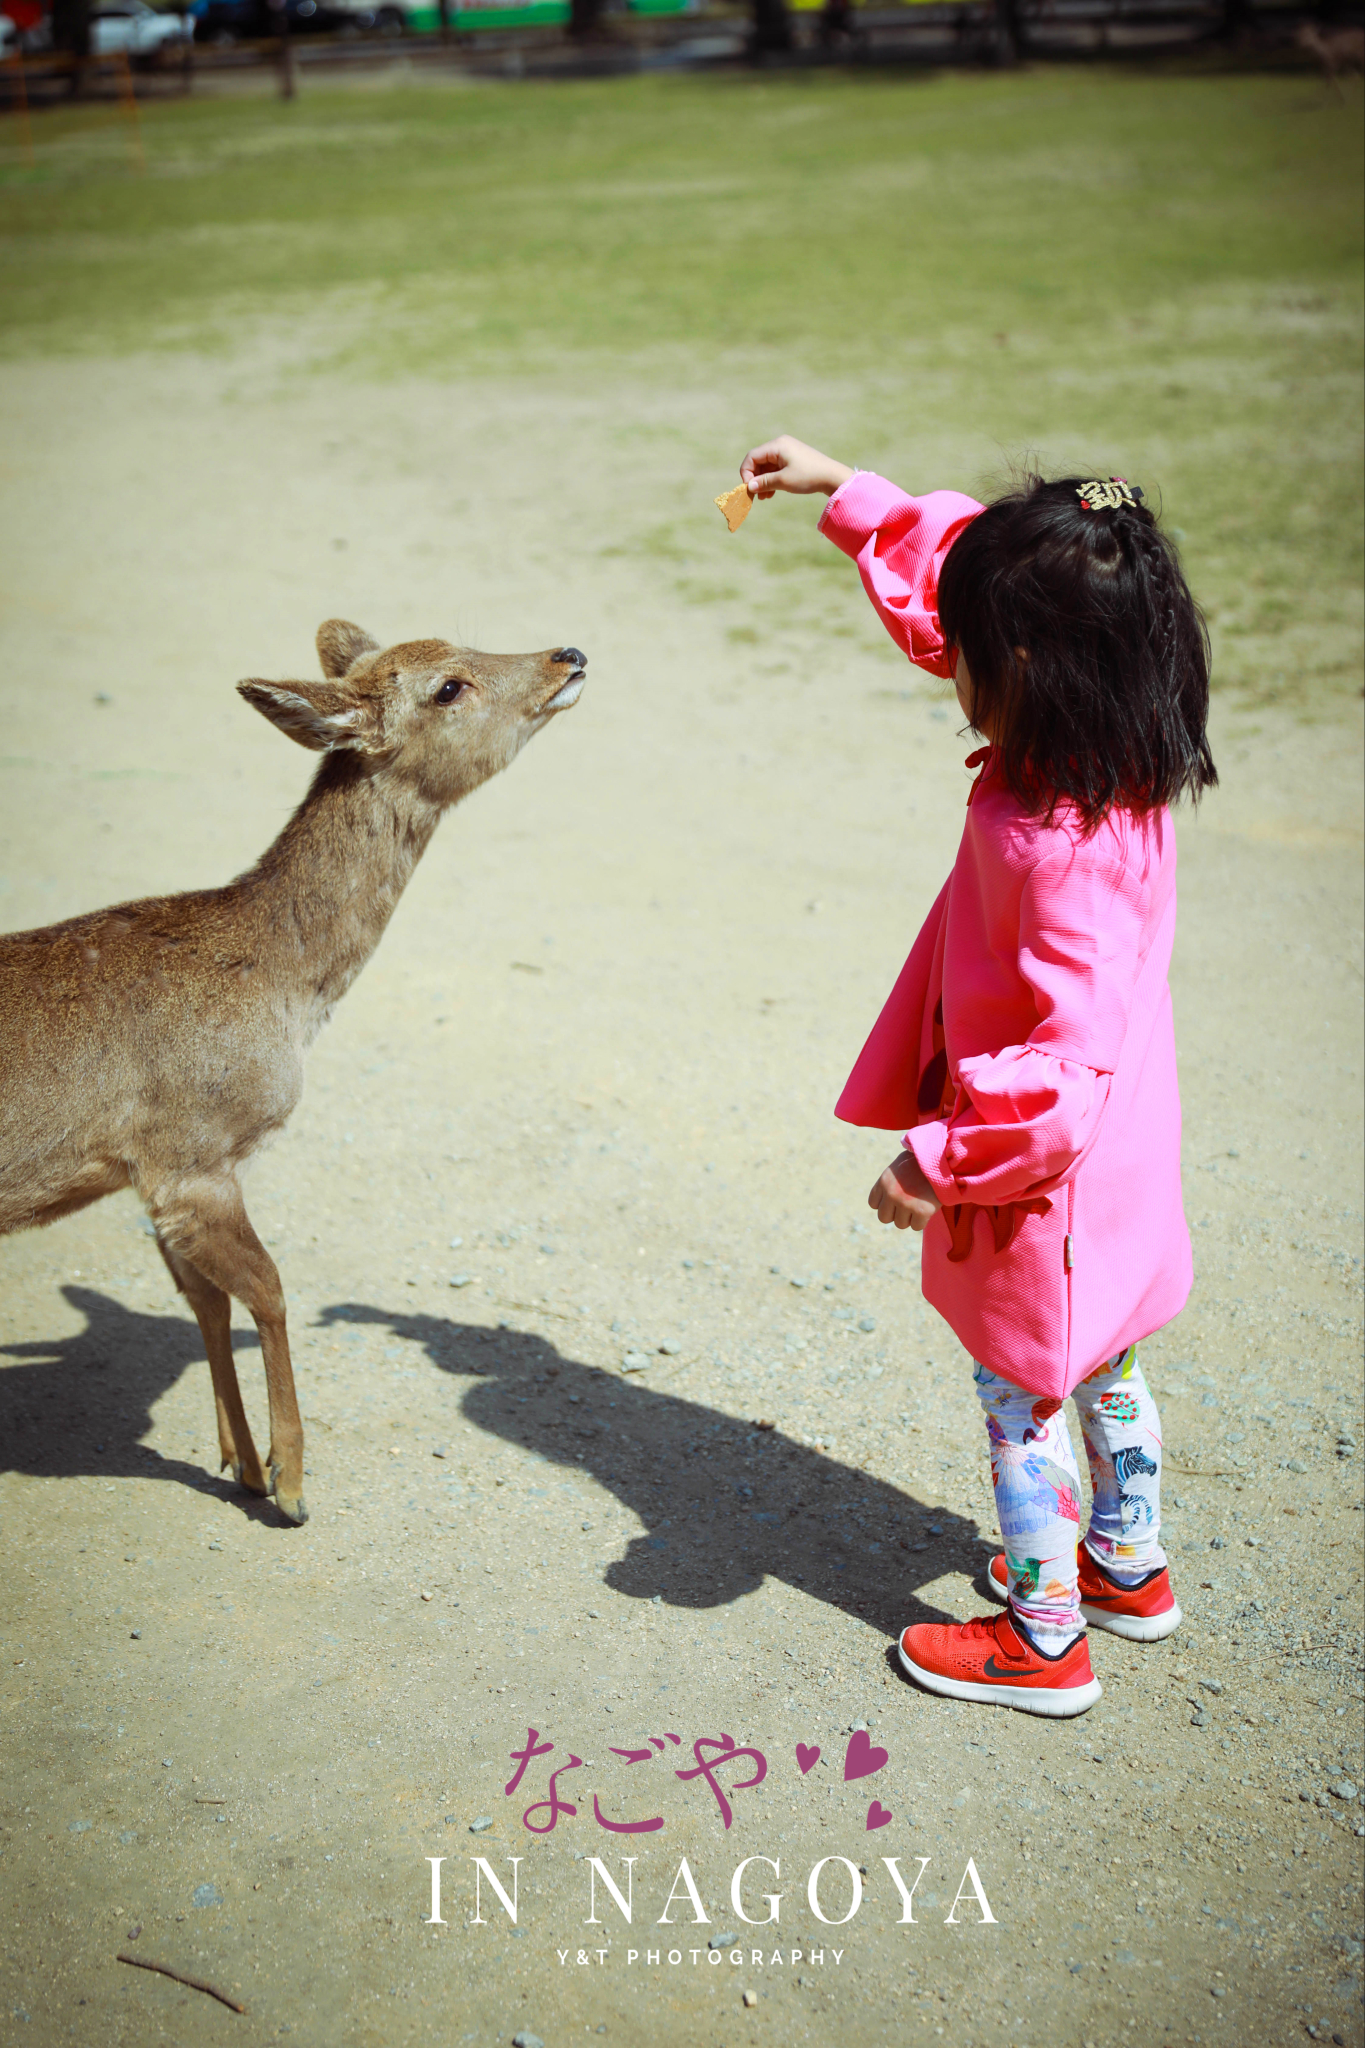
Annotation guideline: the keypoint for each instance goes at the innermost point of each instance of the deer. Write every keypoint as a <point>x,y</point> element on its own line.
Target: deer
<point>1336,49</point>
<point>158,1045</point>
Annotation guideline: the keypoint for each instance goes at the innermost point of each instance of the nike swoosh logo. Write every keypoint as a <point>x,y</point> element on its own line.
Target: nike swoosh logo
<point>991,1669</point>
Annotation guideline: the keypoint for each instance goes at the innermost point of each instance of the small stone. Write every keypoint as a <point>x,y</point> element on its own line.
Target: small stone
<point>481,1825</point>
<point>135,1634</point>
<point>525,2040</point>
<point>461,1279</point>
<point>671,1350</point>
<point>722,1940</point>
<point>549,1250</point>
<point>635,1361</point>
<point>751,1998</point>
<point>455,1243</point>
<point>1213,1685</point>
<point>1343,1789</point>
<point>866,1324</point>
<point>1218,1991</point>
<point>426,1596</point>
<point>215,1546</point>
<point>587,1525</point>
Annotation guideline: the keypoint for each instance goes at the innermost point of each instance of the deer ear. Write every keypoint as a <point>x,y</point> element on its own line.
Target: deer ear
<point>317,715</point>
<point>340,646</point>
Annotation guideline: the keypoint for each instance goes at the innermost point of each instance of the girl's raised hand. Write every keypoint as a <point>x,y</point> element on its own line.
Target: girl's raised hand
<point>903,1196</point>
<point>787,464</point>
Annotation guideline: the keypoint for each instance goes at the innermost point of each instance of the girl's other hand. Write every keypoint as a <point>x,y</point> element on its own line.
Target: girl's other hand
<point>903,1196</point>
<point>787,464</point>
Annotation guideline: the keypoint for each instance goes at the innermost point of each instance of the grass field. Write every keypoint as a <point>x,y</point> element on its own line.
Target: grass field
<point>1154,269</point>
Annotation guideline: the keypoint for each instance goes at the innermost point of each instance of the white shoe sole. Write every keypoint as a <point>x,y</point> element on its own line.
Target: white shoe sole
<point>1134,1628</point>
<point>1053,1703</point>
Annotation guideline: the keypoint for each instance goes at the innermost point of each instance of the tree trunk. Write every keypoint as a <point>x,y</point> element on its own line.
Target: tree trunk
<point>1009,37</point>
<point>772,30</point>
<point>71,26</point>
<point>71,34</point>
<point>584,16</point>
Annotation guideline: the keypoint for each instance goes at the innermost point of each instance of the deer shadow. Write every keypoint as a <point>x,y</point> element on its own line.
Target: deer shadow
<point>724,1504</point>
<point>79,1404</point>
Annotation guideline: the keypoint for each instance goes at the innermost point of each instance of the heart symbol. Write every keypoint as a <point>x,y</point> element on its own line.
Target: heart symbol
<point>877,1815</point>
<point>807,1755</point>
<point>862,1759</point>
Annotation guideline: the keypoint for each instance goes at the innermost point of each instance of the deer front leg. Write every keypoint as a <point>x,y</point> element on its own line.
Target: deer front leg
<point>212,1312</point>
<point>208,1225</point>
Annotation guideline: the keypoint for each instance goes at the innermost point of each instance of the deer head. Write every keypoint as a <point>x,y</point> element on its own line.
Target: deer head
<point>436,718</point>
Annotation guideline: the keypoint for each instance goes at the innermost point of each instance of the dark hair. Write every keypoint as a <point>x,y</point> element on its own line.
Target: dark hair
<point>1111,705</point>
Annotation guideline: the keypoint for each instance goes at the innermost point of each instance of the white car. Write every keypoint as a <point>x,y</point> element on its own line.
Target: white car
<point>133,26</point>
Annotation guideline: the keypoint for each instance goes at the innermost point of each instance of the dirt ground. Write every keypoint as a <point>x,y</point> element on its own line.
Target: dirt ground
<point>579,1107</point>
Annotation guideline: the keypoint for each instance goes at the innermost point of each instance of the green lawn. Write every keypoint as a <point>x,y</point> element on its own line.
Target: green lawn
<point>1162,268</point>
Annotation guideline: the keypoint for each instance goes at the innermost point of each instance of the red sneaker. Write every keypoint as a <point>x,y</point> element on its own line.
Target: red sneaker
<point>1144,1613</point>
<point>991,1661</point>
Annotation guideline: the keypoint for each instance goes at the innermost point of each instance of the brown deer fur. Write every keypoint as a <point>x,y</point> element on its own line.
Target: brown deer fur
<point>158,1044</point>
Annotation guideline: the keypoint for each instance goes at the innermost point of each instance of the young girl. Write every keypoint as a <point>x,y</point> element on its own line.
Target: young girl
<point>1027,1049</point>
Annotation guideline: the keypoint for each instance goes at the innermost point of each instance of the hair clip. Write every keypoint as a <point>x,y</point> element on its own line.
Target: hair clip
<point>1099,496</point>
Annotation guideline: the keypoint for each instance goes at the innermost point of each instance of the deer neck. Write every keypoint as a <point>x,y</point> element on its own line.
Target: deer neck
<point>322,895</point>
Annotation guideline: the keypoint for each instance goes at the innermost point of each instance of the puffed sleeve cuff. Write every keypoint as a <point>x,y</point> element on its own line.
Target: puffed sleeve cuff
<point>899,544</point>
<point>1022,1124</point>
<point>856,510</point>
<point>928,1142</point>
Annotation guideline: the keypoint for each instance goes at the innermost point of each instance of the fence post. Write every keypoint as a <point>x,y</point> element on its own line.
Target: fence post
<point>280,9</point>
<point>128,97</point>
<point>25,124</point>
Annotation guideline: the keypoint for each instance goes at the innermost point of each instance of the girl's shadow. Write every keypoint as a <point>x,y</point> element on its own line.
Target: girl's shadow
<point>724,1503</point>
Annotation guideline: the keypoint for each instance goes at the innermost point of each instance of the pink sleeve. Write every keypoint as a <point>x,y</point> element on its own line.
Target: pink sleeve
<point>899,544</point>
<point>1027,1115</point>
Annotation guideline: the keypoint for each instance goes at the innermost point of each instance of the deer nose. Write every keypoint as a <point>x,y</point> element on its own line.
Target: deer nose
<point>570,656</point>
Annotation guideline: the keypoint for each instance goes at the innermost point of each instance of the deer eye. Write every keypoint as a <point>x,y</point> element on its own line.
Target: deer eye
<point>449,691</point>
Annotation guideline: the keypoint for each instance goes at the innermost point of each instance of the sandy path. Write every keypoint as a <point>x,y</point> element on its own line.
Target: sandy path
<point>599,1046</point>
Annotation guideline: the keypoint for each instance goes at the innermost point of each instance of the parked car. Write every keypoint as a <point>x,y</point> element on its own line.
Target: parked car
<point>132,26</point>
<point>223,21</point>
<point>24,27</point>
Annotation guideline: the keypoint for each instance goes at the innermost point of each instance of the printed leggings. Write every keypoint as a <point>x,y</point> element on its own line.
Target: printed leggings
<point>1038,1490</point>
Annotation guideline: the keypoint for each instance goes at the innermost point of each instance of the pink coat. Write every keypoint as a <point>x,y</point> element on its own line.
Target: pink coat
<point>1028,1045</point>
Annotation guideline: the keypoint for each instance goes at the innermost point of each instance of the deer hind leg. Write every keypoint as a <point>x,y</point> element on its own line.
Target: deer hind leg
<point>212,1312</point>
<point>207,1224</point>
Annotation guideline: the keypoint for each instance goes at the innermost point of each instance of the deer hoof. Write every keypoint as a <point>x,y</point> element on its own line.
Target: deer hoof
<point>290,1505</point>
<point>254,1482</point>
